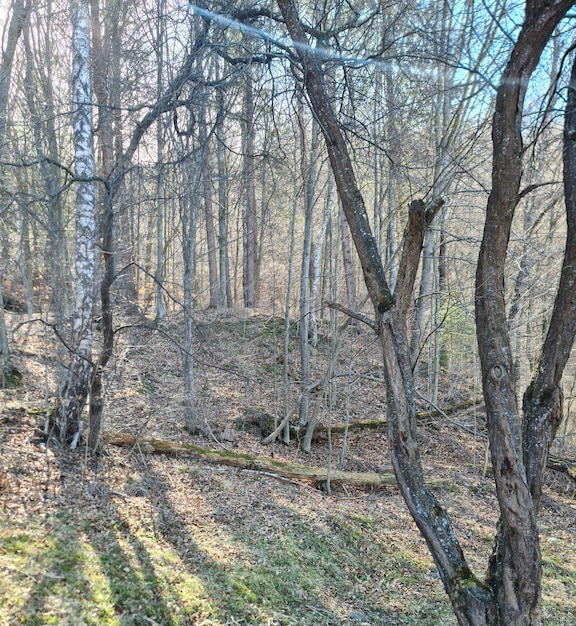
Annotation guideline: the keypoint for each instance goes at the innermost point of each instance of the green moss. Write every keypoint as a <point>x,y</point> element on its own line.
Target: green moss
<point>13,378</point>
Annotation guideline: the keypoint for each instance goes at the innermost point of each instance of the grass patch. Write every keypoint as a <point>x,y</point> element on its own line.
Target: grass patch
<point>279,565</point>
<point>282,569</point>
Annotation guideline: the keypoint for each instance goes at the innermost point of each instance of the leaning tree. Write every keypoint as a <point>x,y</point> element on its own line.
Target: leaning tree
<point>511,594</point>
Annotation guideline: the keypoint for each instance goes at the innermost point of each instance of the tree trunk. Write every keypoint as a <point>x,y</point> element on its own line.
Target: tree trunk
<point>308,164</point>
<point>515,569</point>
<point>16,24</point>
<point>347,261</point>
<point>75,392</point>
<point>225,291</point>
<point>543,400</point>
<point>512,596</point>
<point>249,221</point>
<point>191,181</point>
<point>48,153</point>
<point>115,179</point>
<point>471,599</point>
<point>315,264</point>
<point>207,205</point>
<point>159,271</point>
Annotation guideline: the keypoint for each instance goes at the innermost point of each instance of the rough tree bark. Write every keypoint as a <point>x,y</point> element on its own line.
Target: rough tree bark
<point>515,568</point>
<point>511,595</point>
<point>542,403</point>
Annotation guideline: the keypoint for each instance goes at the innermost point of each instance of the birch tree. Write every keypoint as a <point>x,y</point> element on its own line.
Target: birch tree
<point>75,391</point>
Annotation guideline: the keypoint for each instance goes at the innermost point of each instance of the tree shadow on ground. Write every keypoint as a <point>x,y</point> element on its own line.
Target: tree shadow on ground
<point>286,567</point>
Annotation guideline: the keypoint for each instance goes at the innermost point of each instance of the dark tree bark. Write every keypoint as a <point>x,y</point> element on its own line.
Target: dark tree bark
<point>543,400</point>
<point>515,568</point>
<point>471,599</point>
<point>512,594</point>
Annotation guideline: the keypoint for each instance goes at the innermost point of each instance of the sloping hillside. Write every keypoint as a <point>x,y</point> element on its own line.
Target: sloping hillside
<point>130,537</point>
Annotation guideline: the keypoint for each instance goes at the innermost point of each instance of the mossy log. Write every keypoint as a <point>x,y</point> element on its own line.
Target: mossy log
<point>321,431</point>
<point>295,471</point>
<point>566,466</point>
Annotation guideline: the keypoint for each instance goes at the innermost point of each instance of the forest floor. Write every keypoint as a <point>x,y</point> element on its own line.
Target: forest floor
<point>132,538</point>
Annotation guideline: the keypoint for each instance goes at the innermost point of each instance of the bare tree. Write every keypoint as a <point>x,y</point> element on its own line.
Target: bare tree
<point>17,18</point>
<point>511,595</point>
<point>75,391</point>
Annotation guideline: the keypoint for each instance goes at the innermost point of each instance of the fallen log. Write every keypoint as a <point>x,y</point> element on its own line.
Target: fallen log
<point>295,471</point>
<point>559,464</point>
<point>321,431</point>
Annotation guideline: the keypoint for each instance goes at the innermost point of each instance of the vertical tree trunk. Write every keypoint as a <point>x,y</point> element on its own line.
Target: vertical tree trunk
<point>207,206</point>
<point>391,249</point>
<point>159,270</point>
<point>165,102</point>
<point>515,568</point>
<point>191,183</point>
<point>347,261</point>
<point>16,24</point>
<point>308,158</point>
<point>101,66</point>
<point>45,134</point>
<point>225,291</point>
<point>75,392</point>
<point>19,14</point>
<point>315,266</point>
<point>248,174</point>
<point>543,400</point>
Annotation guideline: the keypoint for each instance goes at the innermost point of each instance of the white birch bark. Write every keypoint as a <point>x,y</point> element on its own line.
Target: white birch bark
<point>75,393</point>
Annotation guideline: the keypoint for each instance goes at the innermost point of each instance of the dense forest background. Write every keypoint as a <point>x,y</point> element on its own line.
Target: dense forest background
<point>166,180</point>
<point>222,192</point>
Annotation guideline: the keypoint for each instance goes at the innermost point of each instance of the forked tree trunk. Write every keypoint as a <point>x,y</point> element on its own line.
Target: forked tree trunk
<point>515,569</point>
<point>511,596</point>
